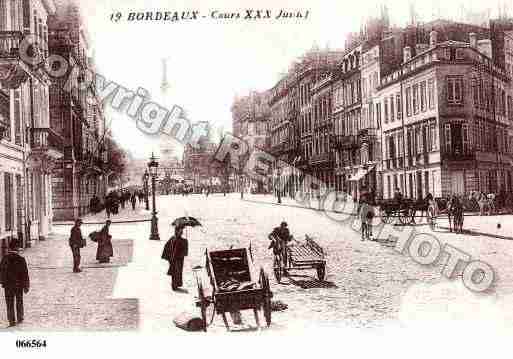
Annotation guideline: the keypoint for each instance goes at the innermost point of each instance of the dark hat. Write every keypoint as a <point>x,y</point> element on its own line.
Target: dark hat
<point>283,224</point>
<point>108,221</point>
<point>13,245</point>
<point>78,221</point>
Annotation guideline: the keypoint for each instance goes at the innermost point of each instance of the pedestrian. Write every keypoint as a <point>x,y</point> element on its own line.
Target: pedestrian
<point>105,250</point>
<point>76,241</point>
<point>108,207</point>
<point>133,200</point>
<point>175,250</point>
<point>14,278</point>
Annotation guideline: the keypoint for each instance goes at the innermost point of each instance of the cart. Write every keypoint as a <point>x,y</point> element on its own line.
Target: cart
<point>233,287</point>
<point>392,208</point>
<point>299,256</point>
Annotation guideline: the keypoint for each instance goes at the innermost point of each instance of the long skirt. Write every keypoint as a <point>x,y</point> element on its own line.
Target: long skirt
<point>176,273</point>
<point>104,251</point>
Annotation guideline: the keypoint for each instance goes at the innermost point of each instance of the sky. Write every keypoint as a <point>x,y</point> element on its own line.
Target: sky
<point>210,62</point>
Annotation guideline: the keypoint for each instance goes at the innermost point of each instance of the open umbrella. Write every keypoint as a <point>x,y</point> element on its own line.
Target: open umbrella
<point>186,222</point>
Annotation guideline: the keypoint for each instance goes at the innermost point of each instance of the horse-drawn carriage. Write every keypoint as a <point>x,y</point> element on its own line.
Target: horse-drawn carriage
<point>404,209</point>
<point>234,287</point>
<point>298,256</point>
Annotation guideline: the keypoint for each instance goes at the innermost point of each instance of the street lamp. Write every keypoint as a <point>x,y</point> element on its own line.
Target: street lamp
<point>153,167</point>
<point>146,176</point>
<point>279,184</point>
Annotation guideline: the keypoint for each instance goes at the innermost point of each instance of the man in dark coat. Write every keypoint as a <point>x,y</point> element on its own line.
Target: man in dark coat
<point>133,200</point>
<point>175,250</point>
<point>76,241</point>
<point>14,278</point>
<point>279,237</point>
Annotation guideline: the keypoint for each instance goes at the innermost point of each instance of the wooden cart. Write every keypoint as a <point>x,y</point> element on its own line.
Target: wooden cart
<point>299,256</point>
<point>233,287</point>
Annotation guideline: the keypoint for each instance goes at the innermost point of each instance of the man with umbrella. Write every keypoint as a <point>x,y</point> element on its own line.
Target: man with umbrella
<point>176,249</point>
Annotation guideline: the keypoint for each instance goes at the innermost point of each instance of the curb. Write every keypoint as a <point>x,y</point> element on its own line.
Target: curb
<point>69,223</point>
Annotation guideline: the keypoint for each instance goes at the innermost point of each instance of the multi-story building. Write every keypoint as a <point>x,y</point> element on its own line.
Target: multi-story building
<point>250,122</point>
<point>300,122</point>
<point>198,166</point>
<point>28,144</point>
<point>449,132</point>
<point>77,115</point>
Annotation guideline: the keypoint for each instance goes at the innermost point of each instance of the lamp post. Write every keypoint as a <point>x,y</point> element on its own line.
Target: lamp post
<point>145,178</point>
<point>153,167</point>
<point>279,184</point>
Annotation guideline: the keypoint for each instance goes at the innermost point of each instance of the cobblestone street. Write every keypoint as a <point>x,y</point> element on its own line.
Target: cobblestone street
<point>368,284</point>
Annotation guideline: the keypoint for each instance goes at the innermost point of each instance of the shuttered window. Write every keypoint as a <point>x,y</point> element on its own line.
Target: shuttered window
<point>9,205</point>
<point>448,138</point>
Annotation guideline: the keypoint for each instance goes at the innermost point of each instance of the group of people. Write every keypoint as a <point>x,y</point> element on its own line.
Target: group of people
<point>104,240</point>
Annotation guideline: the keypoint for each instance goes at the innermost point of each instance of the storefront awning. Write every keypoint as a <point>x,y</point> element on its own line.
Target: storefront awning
<point>360,173</point>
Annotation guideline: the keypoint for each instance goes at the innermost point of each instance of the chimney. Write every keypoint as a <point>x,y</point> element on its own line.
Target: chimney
<point>433,38</point>
<point>473,40</point>
<point>406,53</point>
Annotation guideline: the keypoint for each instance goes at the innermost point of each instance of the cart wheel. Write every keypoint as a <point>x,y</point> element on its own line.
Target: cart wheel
<point>321,272</point>
<point>405,215</point>
<point>277,268</point>
<point>386,216</point>
<point>207,311</point>
<point>266,305</point>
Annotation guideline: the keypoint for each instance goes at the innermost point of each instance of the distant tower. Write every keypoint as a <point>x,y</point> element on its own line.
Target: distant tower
<point>165,84</point>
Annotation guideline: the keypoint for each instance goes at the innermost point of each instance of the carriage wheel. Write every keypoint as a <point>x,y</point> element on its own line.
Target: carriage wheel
<point>405,216</point>
<point>266,305</point>
<point>386,216</point>
<point>277,268</point>
<point>321,272</point>
<point>203,306</point>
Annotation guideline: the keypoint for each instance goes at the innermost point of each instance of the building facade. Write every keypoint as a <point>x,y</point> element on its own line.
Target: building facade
<point>28,145</point>
<point>453,135</point>
<point>78,116</point>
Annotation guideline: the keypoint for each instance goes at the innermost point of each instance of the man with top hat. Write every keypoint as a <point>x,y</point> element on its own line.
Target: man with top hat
<point>14,278</point>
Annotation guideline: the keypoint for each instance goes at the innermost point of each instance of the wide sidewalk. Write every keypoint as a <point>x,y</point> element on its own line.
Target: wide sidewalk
<point>496,226</point>
<point>62,300</point>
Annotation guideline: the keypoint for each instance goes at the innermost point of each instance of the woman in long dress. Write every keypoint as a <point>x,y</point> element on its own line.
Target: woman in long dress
<point>175,250</point>
<point>105,250</point>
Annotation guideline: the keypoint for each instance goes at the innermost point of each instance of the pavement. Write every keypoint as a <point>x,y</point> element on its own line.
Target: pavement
<point>62,300</point>
<point>368,284</point>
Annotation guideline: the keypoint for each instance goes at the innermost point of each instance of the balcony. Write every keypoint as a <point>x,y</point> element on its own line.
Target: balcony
<point>13,70</point>
<point>320,158</point>
<point>367,135</point>
<point>45,142</point>
<point>344,142</point>
<point>459,155</point>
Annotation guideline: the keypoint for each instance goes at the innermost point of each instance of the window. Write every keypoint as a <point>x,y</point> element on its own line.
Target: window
<point>448,138</point>
<point>431,94</point>
<point>455,90</point>
<point>385,109</point>
<point>9,205</point>
<point>408,101</point>
<point>399,106</point>
<point>475,92</point>
<point>415,101</point>
<point>392,108</point>
<point>433,146</point>
<point>423,96</point>
<point>465,139</point>
<point>378,114</point>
